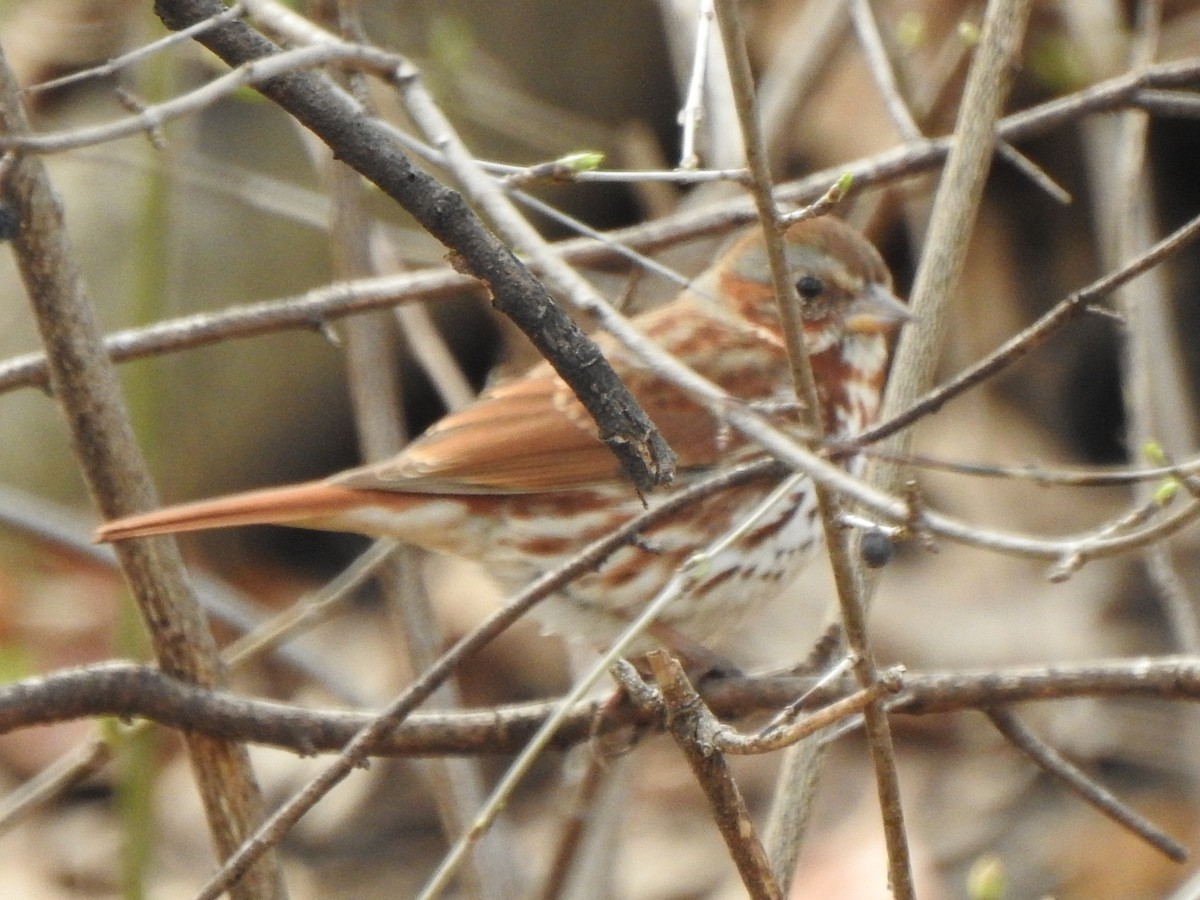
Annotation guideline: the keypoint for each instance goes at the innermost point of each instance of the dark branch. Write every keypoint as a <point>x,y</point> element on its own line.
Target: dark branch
<point>365,145</point>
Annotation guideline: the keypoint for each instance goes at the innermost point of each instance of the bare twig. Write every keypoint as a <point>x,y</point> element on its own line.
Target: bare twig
<point>312,610</point>
<point>310,311</point>
<point>128,690</point>
<point>250,74</point>
<point>86,385</point>
<point>788,729</point>
<point>691,724</point>
<point>429,348</point>
<point>850,599</point>
<point>1034,472</point>
<point>71,531</point>
<point>54,780</point>
<point>880,66</point>
<point>1168,103</point>
<point>113,66</point>
<point>1052,762</point>
<point>519,176</point>
<point>1036,334</point>
<point>692,113</point>
<point>1153,368</point>
<point>822,206</point>
<point>366,146</point>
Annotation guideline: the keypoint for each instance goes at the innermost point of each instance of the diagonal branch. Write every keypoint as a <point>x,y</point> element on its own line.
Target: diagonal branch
<point>364,144</point>
<point>85,383</point>
<point>1053,762</point>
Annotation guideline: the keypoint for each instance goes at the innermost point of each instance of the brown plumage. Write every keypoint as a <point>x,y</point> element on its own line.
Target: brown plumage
<point>520,481</point>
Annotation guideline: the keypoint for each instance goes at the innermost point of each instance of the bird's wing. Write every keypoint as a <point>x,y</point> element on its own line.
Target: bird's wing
<point>532,434</point>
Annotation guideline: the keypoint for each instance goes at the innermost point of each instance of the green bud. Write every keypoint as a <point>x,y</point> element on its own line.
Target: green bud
<point>969,33</point>
<point>985,880</point>
<point>583,161</point>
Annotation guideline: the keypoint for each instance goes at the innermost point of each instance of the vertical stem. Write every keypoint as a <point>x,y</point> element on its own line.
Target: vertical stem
<point>372,372</point>
<point>850,597</point>
<point>85,383</point>
<point>955,206</point>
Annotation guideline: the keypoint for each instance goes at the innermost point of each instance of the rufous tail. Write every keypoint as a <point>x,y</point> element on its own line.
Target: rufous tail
<point>292,504</point>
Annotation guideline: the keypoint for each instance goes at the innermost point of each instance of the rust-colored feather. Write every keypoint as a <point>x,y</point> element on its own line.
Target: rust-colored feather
<point>526,436</point>
<point>532,435</point>
<point>310,501</point>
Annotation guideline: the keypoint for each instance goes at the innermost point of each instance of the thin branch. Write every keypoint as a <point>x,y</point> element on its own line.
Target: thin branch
<point>1036,473</point>
<point>85,383</point>
<point>880,67</point>
<point>71,532</point>
<point>310,310</point>
<point>129,690</point>
<point>620,251</point>
<point>366,146</point>
<point>126,60</point>
<point>1037,333</point>
<point>53,781</point>
<point>691,725</point>
<point>1152,364</point>
<point>555,171</point>
<point>850,599</point>
<point>436,359</point>
<point>310,611</point>
<point>428,346</point>
<point>692,113</point>
<point>1052,762</point>
<point>250,74</point>
<point>788,729</point>
<point>1168,103</point>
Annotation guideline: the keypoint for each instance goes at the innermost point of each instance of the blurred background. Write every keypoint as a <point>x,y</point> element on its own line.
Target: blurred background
<point>232,207</point>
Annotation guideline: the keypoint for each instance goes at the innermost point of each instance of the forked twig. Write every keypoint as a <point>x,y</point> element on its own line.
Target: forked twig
<point>690,725</point>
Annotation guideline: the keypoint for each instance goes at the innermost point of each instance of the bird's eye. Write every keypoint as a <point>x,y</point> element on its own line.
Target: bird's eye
<point>809,286</point>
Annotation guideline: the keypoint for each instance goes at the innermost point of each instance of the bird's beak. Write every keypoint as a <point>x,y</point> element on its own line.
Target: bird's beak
<point>876,311</point>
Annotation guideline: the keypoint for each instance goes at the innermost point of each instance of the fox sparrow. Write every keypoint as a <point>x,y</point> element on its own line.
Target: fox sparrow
<point>519,480</point>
